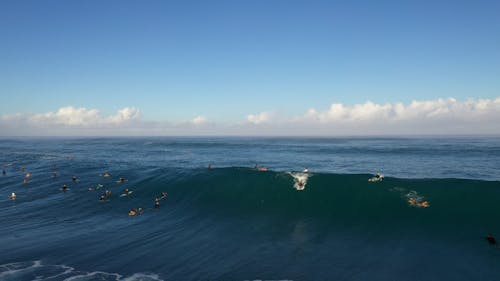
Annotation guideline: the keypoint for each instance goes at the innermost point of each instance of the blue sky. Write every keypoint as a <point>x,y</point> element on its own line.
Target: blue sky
<point>175,60</point>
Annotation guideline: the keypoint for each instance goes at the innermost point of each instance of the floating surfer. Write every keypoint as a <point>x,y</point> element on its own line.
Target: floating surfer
<point>134,212</point>
<point>121,180</point>
<point>13,196</point>
<point>105,196</point>
<point>126,192</point>
<point>64,188</point>
<point>157,203</point>
<point>74,178</point>
<point>259,168</point>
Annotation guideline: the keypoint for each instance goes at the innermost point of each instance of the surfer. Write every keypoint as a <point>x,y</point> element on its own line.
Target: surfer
<point>412,201</point>
<point>259,168</point>
<point>74,178</point>
<point>121,180</point>
<point>22,168</point>
<point>377,177</point>
<point>28,175</point>
<point>126,192</point>
<point>13,196</point>
<point>64,188</point>
<point>132,212</point>
<point>106,175</point>
<point>491,240</point>
<point>157,203</point>
<point>102,198</point>
<point>107,193</point>
<point>424,204</point>
<point>163,195</point>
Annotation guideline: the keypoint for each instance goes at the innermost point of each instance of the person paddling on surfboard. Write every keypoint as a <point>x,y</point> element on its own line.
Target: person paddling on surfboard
<point>126,192</point>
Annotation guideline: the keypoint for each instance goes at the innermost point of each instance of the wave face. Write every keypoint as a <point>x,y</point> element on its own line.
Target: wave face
<point>233,223</point>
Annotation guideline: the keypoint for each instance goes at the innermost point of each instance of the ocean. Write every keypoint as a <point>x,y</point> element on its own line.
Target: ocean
<point>427,218</point>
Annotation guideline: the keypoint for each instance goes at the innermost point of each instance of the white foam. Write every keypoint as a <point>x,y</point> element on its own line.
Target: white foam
<point>300,180</point>
<point>36,271</point>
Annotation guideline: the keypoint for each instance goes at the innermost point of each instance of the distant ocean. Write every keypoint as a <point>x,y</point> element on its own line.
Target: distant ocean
<point>234,222</point>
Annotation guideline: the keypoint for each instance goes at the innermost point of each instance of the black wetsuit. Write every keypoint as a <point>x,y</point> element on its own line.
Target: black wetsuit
<point>491,240</point>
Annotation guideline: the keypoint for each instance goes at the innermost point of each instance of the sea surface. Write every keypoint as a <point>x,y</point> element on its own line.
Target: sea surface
<point>427,219</point>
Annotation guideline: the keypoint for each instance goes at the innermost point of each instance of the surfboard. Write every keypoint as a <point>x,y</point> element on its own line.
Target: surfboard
<point>123,195</point>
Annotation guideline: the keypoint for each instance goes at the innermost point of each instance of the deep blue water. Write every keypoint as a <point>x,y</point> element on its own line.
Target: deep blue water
<point>237,223</point>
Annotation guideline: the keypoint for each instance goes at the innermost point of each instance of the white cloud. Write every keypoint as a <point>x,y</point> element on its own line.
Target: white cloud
<point>260,118</point>
<point>70,120</point>
<point>199,120</point>
<point>75,117</point>
<point>439,116</point>
<point>433,110</point>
